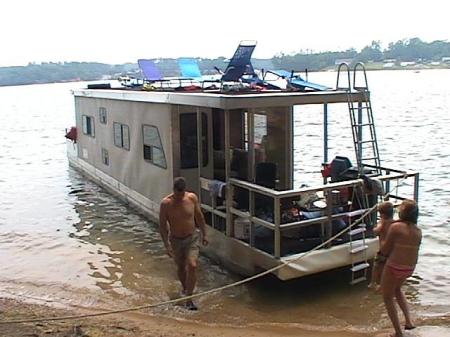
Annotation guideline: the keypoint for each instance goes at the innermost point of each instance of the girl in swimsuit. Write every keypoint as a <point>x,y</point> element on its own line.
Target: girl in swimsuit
<point>401,250</point>
<point>386,211</point>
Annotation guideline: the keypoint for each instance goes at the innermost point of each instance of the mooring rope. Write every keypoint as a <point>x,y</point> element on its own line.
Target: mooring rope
<point>210,291</point>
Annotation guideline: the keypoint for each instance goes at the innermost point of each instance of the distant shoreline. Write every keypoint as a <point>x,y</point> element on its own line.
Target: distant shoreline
<point>368,66</point>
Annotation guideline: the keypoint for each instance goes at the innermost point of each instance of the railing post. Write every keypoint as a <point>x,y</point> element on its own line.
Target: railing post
<point>416,187</point>
<point>251,203</point>
<point>277,236</point>
<point>325,133</point>
<point>388,187</point>
<point>329,210</point>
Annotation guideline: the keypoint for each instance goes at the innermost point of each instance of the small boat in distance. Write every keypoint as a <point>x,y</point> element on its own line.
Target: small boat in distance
<point>235,149</point>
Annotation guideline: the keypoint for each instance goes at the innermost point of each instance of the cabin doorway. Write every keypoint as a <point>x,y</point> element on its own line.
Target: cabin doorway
<point>189,146</point>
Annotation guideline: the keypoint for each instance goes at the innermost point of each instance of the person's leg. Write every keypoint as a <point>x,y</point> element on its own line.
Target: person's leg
<point>180,260</point>
<point>181,271</point>
<point>388,286</point>
<point>403,304</point>
<point>376,274</point>
<point>191,275</point>
<point>191,268</point>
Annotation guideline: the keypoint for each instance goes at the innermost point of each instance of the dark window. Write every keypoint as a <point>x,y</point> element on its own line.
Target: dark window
<point>105,157</point>
<point>102,115</point>
<point>153,149</point>
<point>188,140</point>
<point>121,135</point>
<point>88,125</point>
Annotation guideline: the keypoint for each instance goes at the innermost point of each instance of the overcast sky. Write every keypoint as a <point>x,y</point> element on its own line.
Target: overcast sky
<point>113,31</point>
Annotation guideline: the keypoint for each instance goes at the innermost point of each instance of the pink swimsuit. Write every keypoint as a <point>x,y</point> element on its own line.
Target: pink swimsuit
<point>400,271</point>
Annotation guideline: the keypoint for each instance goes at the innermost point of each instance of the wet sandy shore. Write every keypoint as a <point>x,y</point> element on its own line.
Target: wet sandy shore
<point>146,325</point>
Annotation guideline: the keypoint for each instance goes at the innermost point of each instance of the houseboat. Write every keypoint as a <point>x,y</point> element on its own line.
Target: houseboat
<point>236,150</point>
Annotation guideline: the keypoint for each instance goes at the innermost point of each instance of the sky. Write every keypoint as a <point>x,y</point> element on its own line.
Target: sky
<point>115,32</point>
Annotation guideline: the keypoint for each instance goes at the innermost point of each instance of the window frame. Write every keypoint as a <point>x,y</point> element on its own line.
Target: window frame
<point>151,146</point>
<point>122,145</point>
<point>84,125</point>
<point>102,115</point>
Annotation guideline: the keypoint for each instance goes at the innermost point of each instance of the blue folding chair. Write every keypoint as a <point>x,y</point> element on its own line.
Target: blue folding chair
<point>297,82</point>
<point>189,68</point>
<point>240,64</point>
<point>151,74</point>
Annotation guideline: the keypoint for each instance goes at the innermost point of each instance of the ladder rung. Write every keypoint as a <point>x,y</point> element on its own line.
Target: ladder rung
<point>358,248</point>
<point>360,266</point>
<point>362,124</point>
<point>365,141</point>
<point>357,231</point>
<point>357,280</point>
<point>359,107</point>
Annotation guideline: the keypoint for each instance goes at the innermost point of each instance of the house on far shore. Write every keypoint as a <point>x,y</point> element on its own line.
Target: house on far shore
<point>339,61</point>
<point>405,64</point>
<point>388,65</point>
<point>446,59</point>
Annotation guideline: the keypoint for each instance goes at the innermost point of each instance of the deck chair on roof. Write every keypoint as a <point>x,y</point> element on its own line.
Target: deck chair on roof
<point>151,73</point>
<point>240,68</point>
<point>240,64</point>
<point>297,82</point>
<point>191,71</point>
<point>189,68</point>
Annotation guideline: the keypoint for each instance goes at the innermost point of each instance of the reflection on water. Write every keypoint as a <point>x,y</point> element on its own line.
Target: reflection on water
<point>65,240</point>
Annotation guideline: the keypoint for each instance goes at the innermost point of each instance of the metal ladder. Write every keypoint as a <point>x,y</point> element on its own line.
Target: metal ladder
<point>358,269</point>
<point>361,119</point>
<point>358,246</point>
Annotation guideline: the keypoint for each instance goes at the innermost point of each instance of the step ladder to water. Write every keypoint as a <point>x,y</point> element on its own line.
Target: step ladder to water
<point>361,118</point>
<point>359,267</point>
<point>357,244</point>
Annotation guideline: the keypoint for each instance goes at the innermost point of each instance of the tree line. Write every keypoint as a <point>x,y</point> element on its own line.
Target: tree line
<point>406,50</point>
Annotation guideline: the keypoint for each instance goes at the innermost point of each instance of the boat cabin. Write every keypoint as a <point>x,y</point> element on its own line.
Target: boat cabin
<point>236,151</point>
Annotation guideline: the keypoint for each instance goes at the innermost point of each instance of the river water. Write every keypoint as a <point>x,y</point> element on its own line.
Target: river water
<point>65,241</point>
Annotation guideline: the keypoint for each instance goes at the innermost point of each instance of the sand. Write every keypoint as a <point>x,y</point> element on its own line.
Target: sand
<point>148,325</point>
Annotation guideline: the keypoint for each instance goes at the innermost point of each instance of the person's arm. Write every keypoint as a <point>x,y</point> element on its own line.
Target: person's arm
<point>388,245</point>
<point>378,228</point>
<point>200,219</point>
<point>164,228</point>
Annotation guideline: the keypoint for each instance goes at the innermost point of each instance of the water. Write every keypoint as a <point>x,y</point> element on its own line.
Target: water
<point>65,241</point>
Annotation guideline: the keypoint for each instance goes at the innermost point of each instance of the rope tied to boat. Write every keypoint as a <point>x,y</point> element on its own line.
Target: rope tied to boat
<point>214,290</point>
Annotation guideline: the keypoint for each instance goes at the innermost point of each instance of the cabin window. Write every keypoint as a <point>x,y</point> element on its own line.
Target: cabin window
<point>121,136</point>
<point>188,140</point>
<point>153,149</point>
<point>88,125</point>
<point>105,157</point>
<point>102,115</point>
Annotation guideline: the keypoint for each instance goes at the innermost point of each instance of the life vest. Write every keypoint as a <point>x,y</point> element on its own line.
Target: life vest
<point>72,134</point>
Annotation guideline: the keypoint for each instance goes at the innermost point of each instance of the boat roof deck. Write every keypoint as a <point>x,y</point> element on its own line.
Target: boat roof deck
<point>223,100</point>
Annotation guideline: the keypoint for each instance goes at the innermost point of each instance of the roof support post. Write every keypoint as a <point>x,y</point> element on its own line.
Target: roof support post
<point>199,152</point>
<point>229,188</point>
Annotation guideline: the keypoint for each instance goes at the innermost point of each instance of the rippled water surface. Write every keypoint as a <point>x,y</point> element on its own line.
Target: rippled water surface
<point>65,240</point>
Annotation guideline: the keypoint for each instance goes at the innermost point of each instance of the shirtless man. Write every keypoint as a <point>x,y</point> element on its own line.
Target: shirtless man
<point>401,250</point>
<point>386,211</point>
<point>179,213</point>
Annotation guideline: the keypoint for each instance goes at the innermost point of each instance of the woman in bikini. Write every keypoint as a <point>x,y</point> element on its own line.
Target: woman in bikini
<point>401,250</point>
